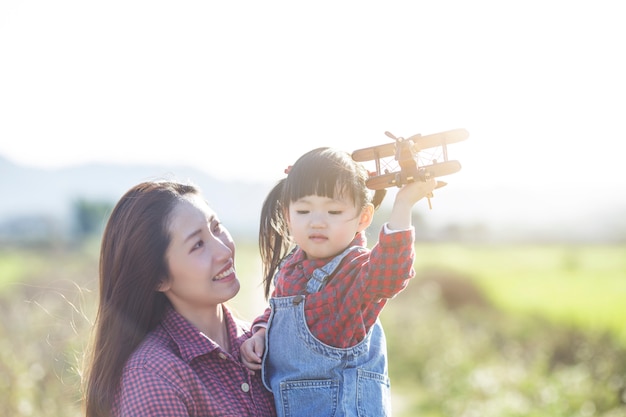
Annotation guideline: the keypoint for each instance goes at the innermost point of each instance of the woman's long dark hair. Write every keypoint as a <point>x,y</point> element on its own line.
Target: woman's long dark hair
<point>323,171</point>
<point>132,264</point>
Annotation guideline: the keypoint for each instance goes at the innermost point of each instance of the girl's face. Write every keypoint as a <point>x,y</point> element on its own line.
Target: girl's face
<point>200,258</point>
<point>323,226</point>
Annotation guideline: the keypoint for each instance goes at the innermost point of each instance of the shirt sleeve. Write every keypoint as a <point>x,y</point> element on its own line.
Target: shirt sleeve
<point>388,231</point>
<point>261,321</point>
<point>391,263</point>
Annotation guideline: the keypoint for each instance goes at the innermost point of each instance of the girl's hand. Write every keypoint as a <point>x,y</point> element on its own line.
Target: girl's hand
<point>415,191</point>
<point>252,350</point>
<point>406,198</point>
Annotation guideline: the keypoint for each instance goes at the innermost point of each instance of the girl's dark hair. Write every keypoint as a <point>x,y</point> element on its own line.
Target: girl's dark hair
<point>323,171</point>
<point>132,264</point>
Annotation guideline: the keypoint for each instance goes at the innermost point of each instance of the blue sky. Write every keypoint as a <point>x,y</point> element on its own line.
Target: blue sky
<point>241,89</point>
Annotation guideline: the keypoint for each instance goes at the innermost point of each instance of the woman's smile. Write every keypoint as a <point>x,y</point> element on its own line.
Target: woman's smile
<point>229,271</point>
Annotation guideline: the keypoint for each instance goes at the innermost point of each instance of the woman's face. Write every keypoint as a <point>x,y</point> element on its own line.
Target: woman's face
<point>200,258</point>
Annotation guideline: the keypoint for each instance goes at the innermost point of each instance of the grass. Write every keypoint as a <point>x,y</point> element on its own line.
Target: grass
<point>580,285</point>
<point>549,346</point>
<point>528,353</point>
<point>15,266</point>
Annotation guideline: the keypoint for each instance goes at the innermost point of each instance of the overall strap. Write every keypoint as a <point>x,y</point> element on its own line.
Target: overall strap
<point>320,275</point>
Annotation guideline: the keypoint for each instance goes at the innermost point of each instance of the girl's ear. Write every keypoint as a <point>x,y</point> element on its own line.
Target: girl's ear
<point>367,215</point>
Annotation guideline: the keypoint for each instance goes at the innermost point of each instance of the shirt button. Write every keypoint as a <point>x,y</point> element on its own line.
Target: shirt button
<point>222,355</point>
<point>245,387</point>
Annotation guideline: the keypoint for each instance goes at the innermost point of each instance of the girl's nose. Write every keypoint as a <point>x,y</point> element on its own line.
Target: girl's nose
<point>318,220</point>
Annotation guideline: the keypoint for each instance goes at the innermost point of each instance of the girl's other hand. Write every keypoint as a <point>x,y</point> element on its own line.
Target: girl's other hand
<point>252,350</point>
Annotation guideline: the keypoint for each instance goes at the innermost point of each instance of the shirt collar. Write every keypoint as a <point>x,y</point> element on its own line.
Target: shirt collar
<point>193,343</point>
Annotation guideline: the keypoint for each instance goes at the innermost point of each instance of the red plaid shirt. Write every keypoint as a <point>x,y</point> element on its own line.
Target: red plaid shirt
<point>177,371</point>
<point>342,312</point>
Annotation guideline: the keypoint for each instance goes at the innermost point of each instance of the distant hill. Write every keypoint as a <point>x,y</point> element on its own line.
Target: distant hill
<point>32,192</point>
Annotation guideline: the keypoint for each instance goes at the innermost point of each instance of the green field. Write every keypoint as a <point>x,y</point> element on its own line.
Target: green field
<point>510,330</point>
<point>583,285</point>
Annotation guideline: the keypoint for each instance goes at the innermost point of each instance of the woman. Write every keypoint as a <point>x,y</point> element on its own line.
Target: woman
<point>165,344</point>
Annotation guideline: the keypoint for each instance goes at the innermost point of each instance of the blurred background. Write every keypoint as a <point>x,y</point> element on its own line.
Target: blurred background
<point>518,304</point>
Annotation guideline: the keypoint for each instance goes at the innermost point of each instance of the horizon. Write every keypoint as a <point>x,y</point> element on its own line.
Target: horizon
<point>517,211</point>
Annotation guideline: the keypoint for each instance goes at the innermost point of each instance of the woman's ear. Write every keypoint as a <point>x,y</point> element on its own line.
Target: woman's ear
<point>367,215</point>
<point>164,285</point>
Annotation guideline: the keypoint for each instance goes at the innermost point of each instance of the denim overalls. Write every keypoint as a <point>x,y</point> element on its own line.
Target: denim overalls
<point>310,378</point>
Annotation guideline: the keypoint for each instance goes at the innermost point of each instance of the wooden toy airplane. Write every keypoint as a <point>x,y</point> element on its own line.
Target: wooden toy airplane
<point>413,159</point>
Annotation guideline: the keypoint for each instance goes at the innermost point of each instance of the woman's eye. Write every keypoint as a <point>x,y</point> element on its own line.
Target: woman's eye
<point>199,244</point>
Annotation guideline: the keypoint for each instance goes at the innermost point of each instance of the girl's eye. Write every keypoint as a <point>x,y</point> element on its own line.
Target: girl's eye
<point>302,211</point>
<point>335,212</point>
<point>217,228</point>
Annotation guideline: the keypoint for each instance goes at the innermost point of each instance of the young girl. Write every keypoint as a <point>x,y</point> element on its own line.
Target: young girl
<point>322,346</point>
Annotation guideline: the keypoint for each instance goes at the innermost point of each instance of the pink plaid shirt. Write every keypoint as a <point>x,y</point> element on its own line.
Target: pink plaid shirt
<point>342,313</point>
<point>177,371</point>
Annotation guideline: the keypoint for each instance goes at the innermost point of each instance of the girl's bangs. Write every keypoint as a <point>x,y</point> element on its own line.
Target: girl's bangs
<point>322,180</point>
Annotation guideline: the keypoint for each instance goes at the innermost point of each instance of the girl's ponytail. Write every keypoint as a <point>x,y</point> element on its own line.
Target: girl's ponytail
<point>273,233</point>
